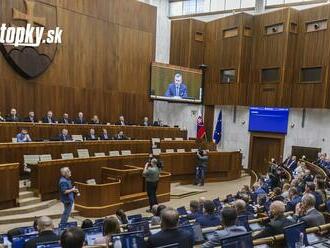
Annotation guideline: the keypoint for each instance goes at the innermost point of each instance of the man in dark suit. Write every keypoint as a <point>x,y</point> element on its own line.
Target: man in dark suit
<point>91,135</point>
<point>292,163</point>
<point>310,188</point>
<point>241,209</point>
<point>121,121</point>
<point>65,119</point>
<point>209,218</point>
<point>31,118</point>
<point>46,234</point>
<point>277,222</point>
<point>95,120</point>
<point>177,88</point>
<point>80,119</point>
<point>170,234</point>
<point>305,211</point>
<point>121,136</point>
<point>104,135</point>
<point>194,210</point>
<point>49,118</point>
<point>229,218</point>
<point>65,136</point>
<point>294,197</point>
<point>145,122</point>
<point>13,117</point>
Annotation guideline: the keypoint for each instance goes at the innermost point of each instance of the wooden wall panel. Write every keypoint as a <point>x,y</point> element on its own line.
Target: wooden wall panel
<point>187,43</point>
<point>313,49</point>
<point>232,51</point>
<point>102,66</point>
<point>273,50</point>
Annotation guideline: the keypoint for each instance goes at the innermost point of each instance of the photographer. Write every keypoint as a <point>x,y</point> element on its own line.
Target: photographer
<point>201,167</point>
<point>151,173</point>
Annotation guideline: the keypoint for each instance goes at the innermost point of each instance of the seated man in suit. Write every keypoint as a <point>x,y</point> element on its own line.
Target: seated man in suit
<point>310,188</point>
<point>13,117</point>
<point>277,221</point>
<point>91,135</point>
<point>104,135</point>
<point>65,119</point>
<point>23,136</point>
<point>177,88</point>
<point>121,121</point>
<point>31,118</point>
<point>65,136</point>
<point>194,210</point>
<point>170,233</point>
<point>80,119</point>
<point>95,120</point>
<point>145,122</point>
<point>49,118</point>
<point>73,237</point>
<point>229,218</point>
<point>46,233</point>
<point>241,209</point>
<point>209,218</point>
<point>294,199</point>
<point>121,136</point>
<point>305,211</point>
<point>292,163</point>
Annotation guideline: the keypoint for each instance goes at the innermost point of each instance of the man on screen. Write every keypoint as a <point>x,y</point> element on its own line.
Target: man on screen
<point>177,88</point>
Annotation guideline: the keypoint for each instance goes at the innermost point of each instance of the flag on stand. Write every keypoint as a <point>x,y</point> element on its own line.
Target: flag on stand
<point>218,129</point>
<point>201,131</point>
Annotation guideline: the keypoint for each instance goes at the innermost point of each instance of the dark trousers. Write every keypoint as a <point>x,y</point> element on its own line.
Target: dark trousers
<point>151,191</point>
<point>200,174</point>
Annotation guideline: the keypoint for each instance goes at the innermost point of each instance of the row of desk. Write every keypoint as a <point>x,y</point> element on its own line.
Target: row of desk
<point>8,130</point>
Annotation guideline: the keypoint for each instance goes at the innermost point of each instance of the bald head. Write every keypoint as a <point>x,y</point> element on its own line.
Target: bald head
<point>277,208</point>
<point>45,224</point>
<point>65,172</point>
<point>308,201</point>
<point>169,219</point>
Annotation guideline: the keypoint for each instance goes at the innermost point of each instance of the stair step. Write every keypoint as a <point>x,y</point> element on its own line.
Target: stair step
<point>28,209</point>
<point>28,201</point>
<point>25,194</point>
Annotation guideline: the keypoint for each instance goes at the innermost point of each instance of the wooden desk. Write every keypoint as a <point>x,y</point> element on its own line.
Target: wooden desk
<point>8,130</point>
<point>222,166</point>
<point>9,174</point>
<point>315,169</point>
<point>185,144</point>
<point>13,152</point>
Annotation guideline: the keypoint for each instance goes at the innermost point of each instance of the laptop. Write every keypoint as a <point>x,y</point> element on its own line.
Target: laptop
<point>140,226</point>
<point>128,240</point>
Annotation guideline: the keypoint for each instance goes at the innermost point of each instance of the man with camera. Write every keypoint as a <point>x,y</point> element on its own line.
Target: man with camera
<point>201,167</point>
<point>151,173</point>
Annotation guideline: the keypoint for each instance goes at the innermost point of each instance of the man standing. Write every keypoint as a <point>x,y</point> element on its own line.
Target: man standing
<point>151,173</point>
<point>201,167</point>
<point>67,193</point>
<point>177,88</point>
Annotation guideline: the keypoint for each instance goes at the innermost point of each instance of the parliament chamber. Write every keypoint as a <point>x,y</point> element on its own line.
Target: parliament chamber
<point>164,123</point>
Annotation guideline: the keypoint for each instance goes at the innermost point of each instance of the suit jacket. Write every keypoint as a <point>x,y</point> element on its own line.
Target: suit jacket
<point>313,218</point>
<point>292,165</point>
<point>102,137</point>
<point>89,137</point>
<point>171,90</point>
<point>276,226</point>
<point>96,123</point>
<point>44,237</point>
<point>227,232</point>
<point>65,138</point>
<point>173,236</point>
<point>291,205</point>
<point>80,121</point>
<point>117,137</point>
<point>45,120</point>
<point>65,121</point>
<point>208,220</point>
<point>145,124</point>
<point>118,123</point>
<point>27,119</point>
<point>15,118</point>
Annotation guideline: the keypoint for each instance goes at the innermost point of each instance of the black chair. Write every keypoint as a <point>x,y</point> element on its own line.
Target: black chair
<point>294,234</point>
<point>237,241</point>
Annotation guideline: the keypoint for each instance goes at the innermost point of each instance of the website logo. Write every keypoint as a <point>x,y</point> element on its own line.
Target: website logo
<point>29,36</point>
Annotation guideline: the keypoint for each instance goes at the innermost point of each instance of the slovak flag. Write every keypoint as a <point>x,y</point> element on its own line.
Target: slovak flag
<point>201,131</point>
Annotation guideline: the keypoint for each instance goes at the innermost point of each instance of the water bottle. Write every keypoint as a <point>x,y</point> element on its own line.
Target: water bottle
<point>117,243</point>
<point>300,243</point>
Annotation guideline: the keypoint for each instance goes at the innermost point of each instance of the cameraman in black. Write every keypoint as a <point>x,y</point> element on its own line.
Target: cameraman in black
<point>202,160</point>
<point>151,174</point>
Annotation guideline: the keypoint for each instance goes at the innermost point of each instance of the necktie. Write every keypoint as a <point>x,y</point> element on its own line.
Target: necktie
<point>177,91</point>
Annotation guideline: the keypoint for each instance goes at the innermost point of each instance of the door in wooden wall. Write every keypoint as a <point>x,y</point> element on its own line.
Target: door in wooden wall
<point>263,147</point>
